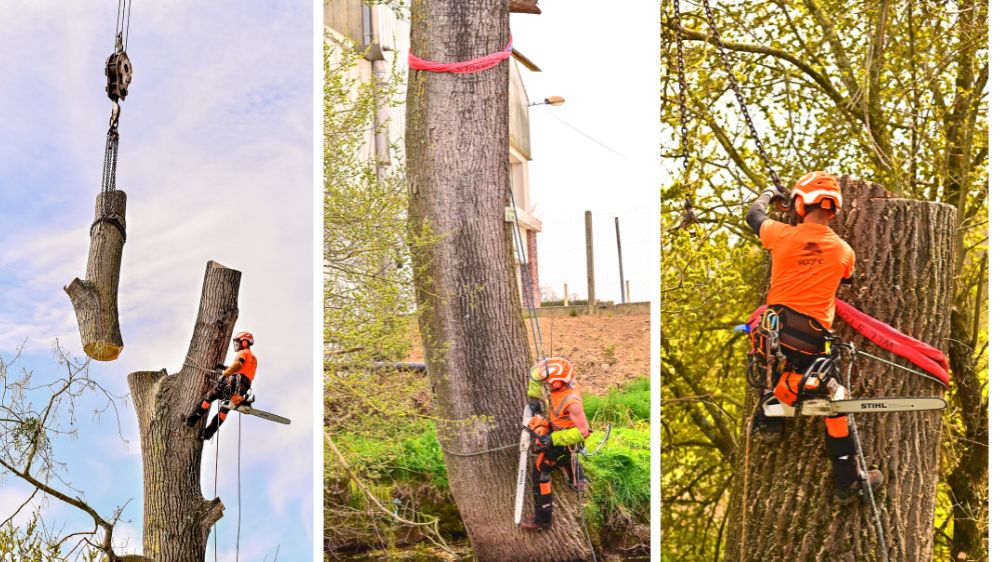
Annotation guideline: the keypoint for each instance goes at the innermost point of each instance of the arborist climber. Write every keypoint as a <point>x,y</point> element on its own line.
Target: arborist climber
<point>555,436</point>
<point>808,264</point>
<point>233,385</point>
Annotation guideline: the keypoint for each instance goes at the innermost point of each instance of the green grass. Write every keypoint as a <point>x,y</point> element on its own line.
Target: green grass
<point>619,477</point>
<point>620,406</point>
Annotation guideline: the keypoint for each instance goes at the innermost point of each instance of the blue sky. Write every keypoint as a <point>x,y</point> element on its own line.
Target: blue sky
<point>216,152</point>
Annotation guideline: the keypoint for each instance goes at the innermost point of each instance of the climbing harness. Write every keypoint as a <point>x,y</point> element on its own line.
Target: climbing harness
<point>932,361</point>
<point>806,394</point>
<point>464,67</point>
<point>822,375</point>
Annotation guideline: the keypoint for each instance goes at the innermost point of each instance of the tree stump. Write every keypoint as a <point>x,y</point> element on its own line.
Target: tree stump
<point>176,518</point>
<point>903,277</point>
<point>471,325</point>
<point>95,298</point>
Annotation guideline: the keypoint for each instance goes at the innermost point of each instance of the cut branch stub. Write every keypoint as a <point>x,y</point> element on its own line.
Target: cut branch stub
<point>95,298</point>
<point>176,517</point>
<point>524,7</point>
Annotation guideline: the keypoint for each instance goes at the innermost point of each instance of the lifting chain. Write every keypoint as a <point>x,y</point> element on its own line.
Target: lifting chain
<point>734,85</point>
<point>689,218</point>
<point>118,72</point>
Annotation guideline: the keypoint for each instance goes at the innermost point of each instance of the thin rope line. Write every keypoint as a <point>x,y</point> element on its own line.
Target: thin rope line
<point>215,492</point>
<point>536,327</point>
<point>128,25</point>
<point>865,482</point>
<point>239,492</point>
<point>476,453</point>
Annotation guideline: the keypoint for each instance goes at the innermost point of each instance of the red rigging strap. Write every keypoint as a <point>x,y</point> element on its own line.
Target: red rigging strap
<point>885,336</point>
<point>922,355</point>
<point>464,67</point>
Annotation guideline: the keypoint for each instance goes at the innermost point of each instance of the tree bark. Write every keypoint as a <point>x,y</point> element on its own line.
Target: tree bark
<point>524,7</point>
<point>95,299</point>
<point>903,276</point>
<point>176,518</point>
<point>474,338</point>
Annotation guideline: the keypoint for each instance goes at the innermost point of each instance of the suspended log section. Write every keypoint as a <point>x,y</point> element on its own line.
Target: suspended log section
<point>95,298</point>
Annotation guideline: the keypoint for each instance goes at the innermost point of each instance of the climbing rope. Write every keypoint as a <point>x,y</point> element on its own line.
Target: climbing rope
<point>215,493</point>
<point>465,67</point>
<point>239,484</point>
<point>529,292</point>
<point>477,453</point>
<point>574,466</point>
<point>865,482</point>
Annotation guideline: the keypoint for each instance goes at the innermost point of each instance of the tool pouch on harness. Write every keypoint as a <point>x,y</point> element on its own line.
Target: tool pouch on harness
<point>539,426</point>
<point>783,345</point>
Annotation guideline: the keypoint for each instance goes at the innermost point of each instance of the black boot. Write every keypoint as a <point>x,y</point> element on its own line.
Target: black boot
<point>192,419</point>
<point>770,429</point>
<point>209,431</point>
<point>531,525</point>
<point>847,480</point>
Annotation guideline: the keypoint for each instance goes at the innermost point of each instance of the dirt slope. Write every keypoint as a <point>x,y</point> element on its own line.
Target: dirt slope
<point>605,350</point>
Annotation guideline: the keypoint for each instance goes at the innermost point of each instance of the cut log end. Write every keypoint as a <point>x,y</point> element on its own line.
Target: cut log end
<point>103,350</point>
<point>99,331</point>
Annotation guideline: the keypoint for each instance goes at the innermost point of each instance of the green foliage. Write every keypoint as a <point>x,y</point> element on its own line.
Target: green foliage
<point>28,544</point>
<point>368,295</point>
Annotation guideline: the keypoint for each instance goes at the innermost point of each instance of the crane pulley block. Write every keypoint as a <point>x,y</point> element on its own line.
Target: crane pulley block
<point>118,70</point>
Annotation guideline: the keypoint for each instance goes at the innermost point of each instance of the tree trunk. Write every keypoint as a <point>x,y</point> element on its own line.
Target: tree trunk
<point>95,299</point>
<point>903,277</point>
<point>474,338</point>
<point>176,518</point>
<point>968,479</point>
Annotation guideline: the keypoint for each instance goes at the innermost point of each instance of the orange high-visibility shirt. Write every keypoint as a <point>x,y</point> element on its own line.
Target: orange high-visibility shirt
<point>249,367</point>
<point>808,261</point>
<point>559,401</point>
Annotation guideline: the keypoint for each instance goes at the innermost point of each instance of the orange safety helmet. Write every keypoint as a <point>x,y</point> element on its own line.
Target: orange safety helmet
<point>816,187</point>
<point>240,337</point>
<point>553,370</point>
